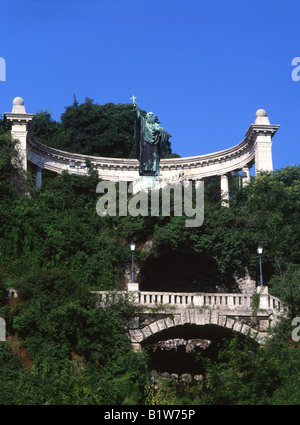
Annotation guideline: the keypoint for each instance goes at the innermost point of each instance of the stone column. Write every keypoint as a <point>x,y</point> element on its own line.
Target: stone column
<point>260,135</point>
<point>246,179</point>
<point>38,178</point>
<point>263,154</point>
<point>224,190</point>
<point>19,123</point>
<point>263,144</point>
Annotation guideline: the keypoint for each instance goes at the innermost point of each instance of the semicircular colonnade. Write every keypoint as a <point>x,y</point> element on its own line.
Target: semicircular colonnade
<point>255,148</point>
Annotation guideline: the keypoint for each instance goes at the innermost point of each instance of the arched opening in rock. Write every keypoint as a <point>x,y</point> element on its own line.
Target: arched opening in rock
<point>184,272</point>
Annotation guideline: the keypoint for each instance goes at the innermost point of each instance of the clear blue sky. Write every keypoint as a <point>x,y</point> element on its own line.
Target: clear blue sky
<point>204,67</point>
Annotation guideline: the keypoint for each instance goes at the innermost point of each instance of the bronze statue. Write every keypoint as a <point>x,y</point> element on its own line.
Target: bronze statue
<point>149,142</point>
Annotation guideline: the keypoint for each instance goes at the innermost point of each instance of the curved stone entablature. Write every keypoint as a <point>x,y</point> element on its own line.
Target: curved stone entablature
<point>56,160</point>
<point>254,149</point>
<point>194,167</point>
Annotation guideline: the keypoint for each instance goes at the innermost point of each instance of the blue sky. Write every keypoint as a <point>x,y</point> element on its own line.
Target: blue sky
<point>203,67</point>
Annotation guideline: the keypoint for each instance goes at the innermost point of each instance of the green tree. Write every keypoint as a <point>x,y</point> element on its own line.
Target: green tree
<point>286,286</point>
<point>11,179</point>
<point>46,129</point>
<point>58,321</point>
<point>10,374</point>
<point>90,129</point>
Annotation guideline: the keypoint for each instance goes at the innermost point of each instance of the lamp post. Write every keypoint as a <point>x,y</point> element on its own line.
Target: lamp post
<point>132,248</point>
<point>259,252</point>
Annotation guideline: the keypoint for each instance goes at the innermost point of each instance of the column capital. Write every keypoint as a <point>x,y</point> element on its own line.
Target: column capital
<point>261,126</point>
<point>260,134</point>
<point>224,176</point>
<point>18,113</point>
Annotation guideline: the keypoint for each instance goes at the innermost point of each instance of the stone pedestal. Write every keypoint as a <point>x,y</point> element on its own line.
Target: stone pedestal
<point>133,287</point>
<point>264,297</point>
<point>147,183</point>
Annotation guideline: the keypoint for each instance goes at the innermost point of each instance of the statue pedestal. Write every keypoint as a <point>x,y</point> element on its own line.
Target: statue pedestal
<point>148,182</point>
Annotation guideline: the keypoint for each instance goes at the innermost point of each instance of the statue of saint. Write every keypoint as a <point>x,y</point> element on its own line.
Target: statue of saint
<point>149,142</point>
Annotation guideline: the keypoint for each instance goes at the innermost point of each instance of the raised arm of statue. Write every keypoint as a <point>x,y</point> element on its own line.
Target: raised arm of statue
<point>136,111</point>
<point>137,131</point>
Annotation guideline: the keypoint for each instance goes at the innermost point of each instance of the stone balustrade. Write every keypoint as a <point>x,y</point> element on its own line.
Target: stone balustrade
<point>166,310</point>
<point>224,301</point>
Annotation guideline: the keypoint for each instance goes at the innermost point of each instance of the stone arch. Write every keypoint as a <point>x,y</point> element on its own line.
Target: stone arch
<point>199,317</point>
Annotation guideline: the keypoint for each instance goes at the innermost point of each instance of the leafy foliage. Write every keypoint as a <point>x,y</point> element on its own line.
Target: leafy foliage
<point>80,353</point>
<point>90,129</point>
<point>247,374</point>
<point>55,249</point>
<point>11,181</point>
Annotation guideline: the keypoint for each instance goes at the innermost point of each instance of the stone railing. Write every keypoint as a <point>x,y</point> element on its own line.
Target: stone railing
<point>275,303</point>
<point>222,301</point>
<point>216,300</point>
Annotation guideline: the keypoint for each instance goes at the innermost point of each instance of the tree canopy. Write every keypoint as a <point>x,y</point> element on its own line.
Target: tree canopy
<point>90,129</point>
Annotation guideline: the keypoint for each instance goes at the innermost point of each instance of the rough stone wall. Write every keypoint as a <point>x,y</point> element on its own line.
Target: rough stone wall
<point>245,284</point>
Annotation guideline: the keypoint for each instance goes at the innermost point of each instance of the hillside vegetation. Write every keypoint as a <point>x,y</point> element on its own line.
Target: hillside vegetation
<point>55,249</point>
